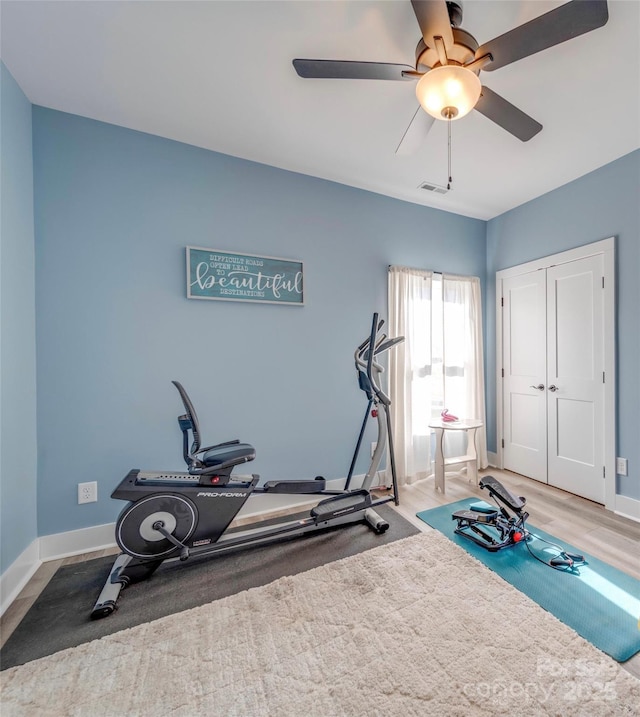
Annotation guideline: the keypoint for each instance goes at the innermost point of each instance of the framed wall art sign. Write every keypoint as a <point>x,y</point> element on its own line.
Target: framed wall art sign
<point>225,276</point>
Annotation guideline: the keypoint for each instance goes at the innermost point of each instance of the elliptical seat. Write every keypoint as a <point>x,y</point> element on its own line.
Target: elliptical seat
<point>229,455</point>
<point>222,455</point>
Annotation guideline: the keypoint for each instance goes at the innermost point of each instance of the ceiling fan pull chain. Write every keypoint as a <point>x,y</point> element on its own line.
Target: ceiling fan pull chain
<point>449,152</point>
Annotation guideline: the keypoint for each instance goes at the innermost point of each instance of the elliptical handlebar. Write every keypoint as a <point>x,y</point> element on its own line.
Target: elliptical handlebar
<point>375,327</point>
<point>369,371</point>
<point>386,345</point>
<point>365,357</point>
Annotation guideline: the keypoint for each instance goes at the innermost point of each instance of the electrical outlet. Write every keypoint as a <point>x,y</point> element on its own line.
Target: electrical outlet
<point>373,448</point>
<point>88,492</point>
<point>621,466</point>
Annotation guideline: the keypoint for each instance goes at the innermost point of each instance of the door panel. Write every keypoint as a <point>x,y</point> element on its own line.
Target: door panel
<point>575,316</point>
<point>573,319</point>
<point>524,361</point>
<point>575,422</point>
<point>525,428</point>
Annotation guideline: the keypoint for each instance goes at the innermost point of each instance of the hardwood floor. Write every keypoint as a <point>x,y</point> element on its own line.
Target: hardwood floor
<point>20,606</point>
<point>597,531</point>
<point>611,538</point>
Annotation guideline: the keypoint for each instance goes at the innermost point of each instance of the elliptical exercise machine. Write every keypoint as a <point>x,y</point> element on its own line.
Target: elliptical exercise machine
<point>174,516</point>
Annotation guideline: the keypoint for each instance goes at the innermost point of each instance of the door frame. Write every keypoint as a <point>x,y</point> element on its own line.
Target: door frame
<point>606,247</point>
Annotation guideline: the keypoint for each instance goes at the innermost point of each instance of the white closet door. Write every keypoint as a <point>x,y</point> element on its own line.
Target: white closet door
<point>575,364</point>
<point>524,383</point>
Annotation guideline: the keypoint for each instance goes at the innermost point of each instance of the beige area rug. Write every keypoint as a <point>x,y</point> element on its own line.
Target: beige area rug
<point>417,627</point>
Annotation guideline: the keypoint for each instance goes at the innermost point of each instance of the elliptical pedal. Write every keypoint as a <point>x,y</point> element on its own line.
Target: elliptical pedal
<point>339,505</point>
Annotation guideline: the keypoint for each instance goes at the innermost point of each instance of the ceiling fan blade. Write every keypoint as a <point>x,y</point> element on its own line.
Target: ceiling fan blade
<point>347,70</point>
<point>415,133</point>
<point>563,23</point>
<point>508,116</point>
<point>433,18</point>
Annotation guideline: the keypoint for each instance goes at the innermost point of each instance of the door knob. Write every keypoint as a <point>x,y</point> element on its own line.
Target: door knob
<point>553,388</point>
<point>540,387</point>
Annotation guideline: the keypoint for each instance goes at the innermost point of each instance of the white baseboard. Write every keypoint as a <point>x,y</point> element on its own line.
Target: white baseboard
<point>493,459</point>
<point>18,574</point>
<point>76,542</point>
<point>627,507</point>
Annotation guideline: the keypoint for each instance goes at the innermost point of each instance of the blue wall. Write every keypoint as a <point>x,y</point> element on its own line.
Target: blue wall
<point>601,204</point>
<point>114,211</point>
<point>18,451</point>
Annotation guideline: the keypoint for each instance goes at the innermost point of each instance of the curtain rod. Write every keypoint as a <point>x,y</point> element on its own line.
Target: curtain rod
<point>412,268</point>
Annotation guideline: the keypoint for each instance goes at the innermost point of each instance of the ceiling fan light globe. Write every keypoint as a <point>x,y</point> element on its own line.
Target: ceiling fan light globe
<point>446,87</point>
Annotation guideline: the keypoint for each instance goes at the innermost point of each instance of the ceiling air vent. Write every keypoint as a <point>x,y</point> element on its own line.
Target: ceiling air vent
<point>429,187</point>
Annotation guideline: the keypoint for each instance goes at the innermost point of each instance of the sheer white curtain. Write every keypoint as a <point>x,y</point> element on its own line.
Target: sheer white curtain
<point>463,356</point>
<point>439,365</point>
<point>409,370</point>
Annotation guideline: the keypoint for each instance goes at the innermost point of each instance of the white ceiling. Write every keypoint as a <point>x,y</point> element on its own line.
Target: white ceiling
<point>218,75</point>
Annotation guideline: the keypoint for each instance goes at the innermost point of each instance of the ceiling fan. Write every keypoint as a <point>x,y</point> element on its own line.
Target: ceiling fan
<point>449,60</point>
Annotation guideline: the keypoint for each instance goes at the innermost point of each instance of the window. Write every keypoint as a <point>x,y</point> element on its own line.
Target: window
<point>439,365</point>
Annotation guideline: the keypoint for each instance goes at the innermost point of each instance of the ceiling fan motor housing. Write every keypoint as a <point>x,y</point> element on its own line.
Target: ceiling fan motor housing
<point>462,52</point>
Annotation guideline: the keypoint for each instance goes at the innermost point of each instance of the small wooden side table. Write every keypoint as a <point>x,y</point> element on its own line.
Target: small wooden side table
<point>470,427</point>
